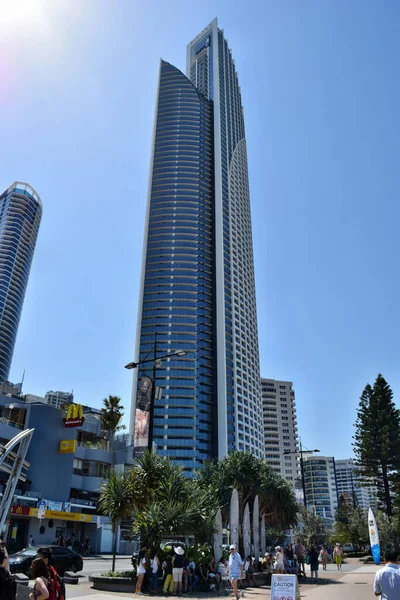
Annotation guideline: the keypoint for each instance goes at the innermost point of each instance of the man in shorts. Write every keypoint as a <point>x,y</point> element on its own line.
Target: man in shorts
<point>338,556</point>
<point>300,552</point>
<point>235,569</point>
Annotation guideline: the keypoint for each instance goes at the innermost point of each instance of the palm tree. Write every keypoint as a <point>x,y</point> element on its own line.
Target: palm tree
<point>111,415</point>
<point>116,500</point>
<point>251,476</point>
<point>168,504</point>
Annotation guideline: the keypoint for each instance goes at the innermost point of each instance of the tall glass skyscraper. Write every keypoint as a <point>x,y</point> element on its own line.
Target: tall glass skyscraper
<point>20,216</point>
<point>197,286</point>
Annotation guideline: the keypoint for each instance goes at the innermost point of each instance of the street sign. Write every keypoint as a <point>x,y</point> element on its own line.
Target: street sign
<point>284,587</point>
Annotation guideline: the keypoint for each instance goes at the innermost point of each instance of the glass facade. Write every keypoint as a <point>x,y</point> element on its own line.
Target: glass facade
<point>178,298</point>
<point>20,216</point>
<point>197,288</point>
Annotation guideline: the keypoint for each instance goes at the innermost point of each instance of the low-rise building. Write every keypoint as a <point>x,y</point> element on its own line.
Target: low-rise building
<point>67,467</point>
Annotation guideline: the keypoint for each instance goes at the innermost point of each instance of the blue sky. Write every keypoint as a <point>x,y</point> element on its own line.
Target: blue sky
<point>320,90</point>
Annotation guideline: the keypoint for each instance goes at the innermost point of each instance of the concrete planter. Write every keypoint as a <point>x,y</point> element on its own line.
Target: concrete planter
<point>113,584</point>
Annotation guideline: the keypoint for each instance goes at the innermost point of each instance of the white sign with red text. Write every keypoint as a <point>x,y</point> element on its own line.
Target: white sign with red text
<point>284,587</point>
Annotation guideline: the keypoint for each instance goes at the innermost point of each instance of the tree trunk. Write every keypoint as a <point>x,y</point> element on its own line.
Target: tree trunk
<point>114,545</point>
<point>388,498</point>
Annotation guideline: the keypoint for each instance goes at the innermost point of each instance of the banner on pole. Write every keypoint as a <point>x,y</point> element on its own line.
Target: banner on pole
<point>142,414</point>
<point>374,537</point>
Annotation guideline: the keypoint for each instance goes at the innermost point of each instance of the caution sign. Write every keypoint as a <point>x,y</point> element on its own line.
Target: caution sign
<point>284,587</point>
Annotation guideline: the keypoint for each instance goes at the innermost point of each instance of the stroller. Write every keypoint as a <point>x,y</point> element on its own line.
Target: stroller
<point>225,588</point>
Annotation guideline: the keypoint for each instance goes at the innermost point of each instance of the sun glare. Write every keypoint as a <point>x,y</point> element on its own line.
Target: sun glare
<point>21,11</point>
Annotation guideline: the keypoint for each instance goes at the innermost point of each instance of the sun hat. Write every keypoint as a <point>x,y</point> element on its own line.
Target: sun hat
<point>179,551</point>
<point>232,547</point>
<point>278,548</point>
<point>266,554</point>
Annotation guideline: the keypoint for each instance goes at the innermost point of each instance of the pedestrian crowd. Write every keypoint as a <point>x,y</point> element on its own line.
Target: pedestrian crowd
<point>180,574</point>
<point>293,559</point>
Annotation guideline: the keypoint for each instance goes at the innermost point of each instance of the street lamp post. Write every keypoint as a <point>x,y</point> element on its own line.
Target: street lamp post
<point>154,360</point>
<point>301,467</point>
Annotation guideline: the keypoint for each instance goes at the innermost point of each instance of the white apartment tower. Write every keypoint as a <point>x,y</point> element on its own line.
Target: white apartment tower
<point>280,427</point>
<point>320,485</point>
<point>348,484</point>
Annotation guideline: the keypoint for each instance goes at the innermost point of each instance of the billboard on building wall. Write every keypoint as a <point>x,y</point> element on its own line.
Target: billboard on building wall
<point>142,414</point>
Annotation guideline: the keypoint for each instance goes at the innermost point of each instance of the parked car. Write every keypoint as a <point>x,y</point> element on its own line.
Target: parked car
<point>64,559</point>
<point>348,548</point>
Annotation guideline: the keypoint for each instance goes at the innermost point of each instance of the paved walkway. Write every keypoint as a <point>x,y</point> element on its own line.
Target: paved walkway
<point>353,584</point>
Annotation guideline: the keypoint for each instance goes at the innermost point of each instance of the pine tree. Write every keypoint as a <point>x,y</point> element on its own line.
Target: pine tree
<point>377,440</point>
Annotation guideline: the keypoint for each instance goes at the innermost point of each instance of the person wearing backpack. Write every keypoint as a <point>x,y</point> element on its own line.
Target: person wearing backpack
<point>43,588</point>
<point>8,587</point>
<point>58,581</point>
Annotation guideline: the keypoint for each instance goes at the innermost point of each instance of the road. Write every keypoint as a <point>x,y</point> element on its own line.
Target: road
<point>100,565</point>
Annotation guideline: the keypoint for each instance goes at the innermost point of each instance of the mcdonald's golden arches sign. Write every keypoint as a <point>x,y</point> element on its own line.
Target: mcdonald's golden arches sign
<point>74,416</point>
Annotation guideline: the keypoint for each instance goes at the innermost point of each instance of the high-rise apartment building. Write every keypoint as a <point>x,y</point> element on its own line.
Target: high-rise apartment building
<point>20,216</point>
<point>349,484</point>
<point>280,427</point>
<point>197,286</point>
<point>320,485</point>
<point>59,399</point>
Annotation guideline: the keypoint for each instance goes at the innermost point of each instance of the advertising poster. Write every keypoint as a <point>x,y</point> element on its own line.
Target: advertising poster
<point>142,414</point>
<point>284,587</point>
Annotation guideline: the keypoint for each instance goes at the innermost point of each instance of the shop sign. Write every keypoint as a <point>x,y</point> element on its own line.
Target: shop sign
<point>82,502</point>
<point>67,446</point>
<point>74,416</point>
<point>20,510</point>
<point>53,505</point>
<point>68,516</point>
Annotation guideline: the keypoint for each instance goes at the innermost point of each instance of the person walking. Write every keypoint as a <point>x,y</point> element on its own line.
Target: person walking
<point>57,581</point>
<point>177,569</point>
<point>312,560</point>
<point>323,557</point>
<point>300,552</point>
<point>387,580</point>
<point>141,570</point>
<point>235,569</point>
<point>338,556</point>
<point>279,562</point>
<point>154,566</point>
<point>43,585</point>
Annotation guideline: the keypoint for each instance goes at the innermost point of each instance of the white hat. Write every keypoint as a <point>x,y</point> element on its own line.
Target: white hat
<point>266,554</point>
<point>179,550</point>
<point>278,548</point>
<point>232,547</point>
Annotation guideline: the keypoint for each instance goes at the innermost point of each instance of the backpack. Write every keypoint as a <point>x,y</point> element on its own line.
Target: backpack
<point>58,583</point>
